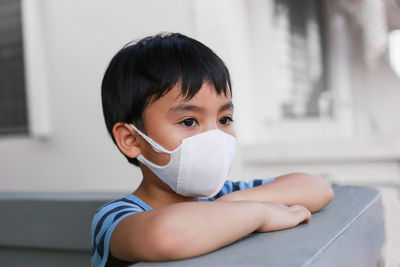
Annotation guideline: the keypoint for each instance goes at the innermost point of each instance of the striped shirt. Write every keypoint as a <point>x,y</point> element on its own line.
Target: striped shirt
<point>108,216</point>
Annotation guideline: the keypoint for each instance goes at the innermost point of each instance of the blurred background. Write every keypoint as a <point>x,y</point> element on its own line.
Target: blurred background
<point>316,88</point>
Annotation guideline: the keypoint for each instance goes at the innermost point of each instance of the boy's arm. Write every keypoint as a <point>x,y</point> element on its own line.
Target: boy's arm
<point>191,229</point>
<point>297,188</point>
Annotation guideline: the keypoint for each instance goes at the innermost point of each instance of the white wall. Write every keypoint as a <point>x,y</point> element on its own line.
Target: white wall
<point>77,39</point>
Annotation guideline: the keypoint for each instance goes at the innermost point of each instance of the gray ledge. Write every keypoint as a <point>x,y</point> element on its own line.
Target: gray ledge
<point>53,229</point>
<point>347,232</point>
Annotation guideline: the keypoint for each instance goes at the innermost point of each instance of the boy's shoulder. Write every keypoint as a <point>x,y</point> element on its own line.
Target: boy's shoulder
<point>119,206</point>
<point>106,219</point>
<point>113,212</point>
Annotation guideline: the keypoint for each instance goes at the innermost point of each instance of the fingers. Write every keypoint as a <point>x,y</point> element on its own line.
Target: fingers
<point>302,214</point>
<point>283,217</point>
<point>308,216</point>
<point>296,208</point>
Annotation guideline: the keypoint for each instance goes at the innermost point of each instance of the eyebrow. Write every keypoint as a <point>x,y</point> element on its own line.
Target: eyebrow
<point>227,106</point>
<point>185,107</point>
<point>188,107</point>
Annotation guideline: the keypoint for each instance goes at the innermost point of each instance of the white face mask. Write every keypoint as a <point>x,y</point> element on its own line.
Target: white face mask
<point>199,166</point>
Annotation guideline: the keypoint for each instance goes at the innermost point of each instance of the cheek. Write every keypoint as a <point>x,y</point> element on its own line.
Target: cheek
<point>229,130</point>
<point>160,159</point>
<point>153,156</point>
<point>167,139</point>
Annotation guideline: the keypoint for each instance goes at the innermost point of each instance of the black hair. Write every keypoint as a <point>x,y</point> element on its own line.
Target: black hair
<point>142,72</point>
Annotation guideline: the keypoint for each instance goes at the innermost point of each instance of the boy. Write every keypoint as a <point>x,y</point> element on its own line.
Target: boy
<point>167,106</point>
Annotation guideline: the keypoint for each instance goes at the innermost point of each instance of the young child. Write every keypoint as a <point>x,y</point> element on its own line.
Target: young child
<point>167,103</point>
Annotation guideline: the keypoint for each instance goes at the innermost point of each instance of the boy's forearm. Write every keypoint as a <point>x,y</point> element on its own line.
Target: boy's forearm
<point>185,230</point>
<point>203,227</point>
<point>298,188</point>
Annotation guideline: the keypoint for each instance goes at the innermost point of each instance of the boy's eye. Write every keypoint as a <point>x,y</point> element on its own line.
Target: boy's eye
<point>226,120</point>
<point>190,122</point>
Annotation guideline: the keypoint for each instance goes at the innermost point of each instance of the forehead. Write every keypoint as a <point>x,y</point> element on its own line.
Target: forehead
<point>206,93</point>
<point>206,96</point>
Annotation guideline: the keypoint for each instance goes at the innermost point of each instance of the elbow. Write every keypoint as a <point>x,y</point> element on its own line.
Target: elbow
<point>321,190</point>
<point>330,194</point>
<point>325,192</point>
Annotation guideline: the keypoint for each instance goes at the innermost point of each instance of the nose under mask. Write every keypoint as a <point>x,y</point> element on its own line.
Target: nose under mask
<point>199,166</point>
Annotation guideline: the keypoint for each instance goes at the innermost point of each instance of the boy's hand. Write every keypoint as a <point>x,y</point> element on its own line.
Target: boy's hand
<point>279,217</point>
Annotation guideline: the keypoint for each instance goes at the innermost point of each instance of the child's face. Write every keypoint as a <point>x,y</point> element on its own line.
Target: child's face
<point>172,118</point>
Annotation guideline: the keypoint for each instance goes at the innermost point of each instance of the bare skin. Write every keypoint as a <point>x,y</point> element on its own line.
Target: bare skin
<point>180,227</point>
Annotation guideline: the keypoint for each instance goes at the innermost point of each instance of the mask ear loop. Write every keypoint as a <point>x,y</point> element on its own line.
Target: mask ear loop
<point>153,144</point>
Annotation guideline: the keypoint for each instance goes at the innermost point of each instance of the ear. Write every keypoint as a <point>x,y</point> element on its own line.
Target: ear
<point>127,139</point>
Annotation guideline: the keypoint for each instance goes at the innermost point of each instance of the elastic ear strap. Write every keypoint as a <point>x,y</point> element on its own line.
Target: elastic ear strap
<point>155,146</point>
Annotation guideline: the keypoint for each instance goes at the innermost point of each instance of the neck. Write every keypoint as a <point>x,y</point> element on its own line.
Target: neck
<point>156,193</point>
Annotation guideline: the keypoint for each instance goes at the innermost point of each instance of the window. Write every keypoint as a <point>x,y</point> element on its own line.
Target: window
<point>13,102</point>
<point>299,95</point>
<point>394,50</point>
<point>289,66</point>
<point>308,96</point>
